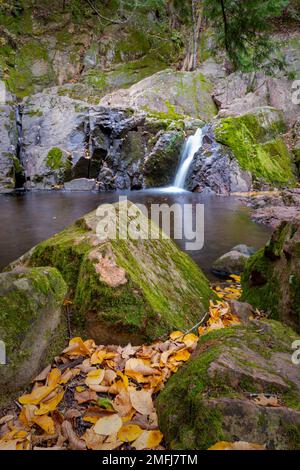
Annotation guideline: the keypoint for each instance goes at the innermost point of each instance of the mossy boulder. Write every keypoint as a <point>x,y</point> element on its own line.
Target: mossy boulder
<point>31,322</point>
<point>211,398</point>
<point>271,280</point>
<point>232,262</point>
<point>125,289</point>
<point>161,163</point>
<point>168,94</point>
<point>256,143</point>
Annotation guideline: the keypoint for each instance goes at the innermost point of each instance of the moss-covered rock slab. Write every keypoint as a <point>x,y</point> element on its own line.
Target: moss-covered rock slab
<point>211,398</point>
<point>271,280</point>
<point>256,143</point>
<point>125,289</point>
<point>168,94</point>
<point>31,322</point>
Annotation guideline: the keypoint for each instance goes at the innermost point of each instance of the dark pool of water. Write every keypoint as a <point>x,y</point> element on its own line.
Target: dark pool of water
<point>29,218</point>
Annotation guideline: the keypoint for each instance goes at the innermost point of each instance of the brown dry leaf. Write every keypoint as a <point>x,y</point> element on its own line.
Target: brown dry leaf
<point>122,403</point>
<point>108,425</point>
<point>239,445</point>
<point>138,366</point>
<point>109,376</point>
<point>262,400</point>
<point>93,441</point>
<point>43,375</point>
<point>128,351</point>
<point>129,432</point>
<point>87,395</point>
<point>95,377</point>
<point>148,440</point>
<point>36,396</point>
<point>46,423</point>
<point>50,405</point>
<point>9,445</point>
<point>141,400</point>
<point>75,443</point>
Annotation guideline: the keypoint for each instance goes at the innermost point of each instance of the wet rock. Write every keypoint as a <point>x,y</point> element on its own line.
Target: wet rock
<point>31,322</point>
<point>80,184</point>
<point>232,262</point>
<point>242,310</point>
<point>121,289</point>
<point>8,141</point>
<point>160,166</point>
<point>245,249</point>
<point>271,278</point>
<point>215,168</point>
<point>212,397</point>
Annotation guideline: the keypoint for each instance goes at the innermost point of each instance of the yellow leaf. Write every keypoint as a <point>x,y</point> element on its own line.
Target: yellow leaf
<point>190,339</point>
<point>54,378</point>
<point>182,355</point>
<point>108,425</point>
<point>239,445</point>
<point>80,388</point>
<point>95,377</point>
<point>98,357</point>
<point>176,335</point>
<point>235,277</point>
<point>148,440</point>
<point>36,396</point>
<point>129,432</point>
<point>77,348</point>
<point>46,423</point>
<point>50,405</point>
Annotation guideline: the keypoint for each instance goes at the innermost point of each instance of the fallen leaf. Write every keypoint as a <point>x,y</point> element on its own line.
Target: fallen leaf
<point>75,443</point>
<point>94,377</point>
<point>148,440</point>
<point>50,405</point>
<point>76,348</point>
<point>46,423</point>
<point>129,432</point>
<point>141,400</point>
<point>36,396</point>
<point>239,445</point>
<point>108,425</point>
<point>54,378</point>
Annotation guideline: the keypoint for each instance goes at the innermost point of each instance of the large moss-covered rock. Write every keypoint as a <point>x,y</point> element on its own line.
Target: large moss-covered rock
<point>255,141</point>
<point>271,279</point>
<point>161,163</point>
<point>209,399</point>
<point>168,94</point>
<point>31,322</point>
<point>125,290</point>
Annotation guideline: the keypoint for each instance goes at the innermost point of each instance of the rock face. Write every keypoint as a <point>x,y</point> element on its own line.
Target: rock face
<point>255,141</point>
<point>210,399</point>
<point>271,280</point>
<point>31,322</point>
<point>125,289</point>
<point>161,163</point>
<point>215,168</point>
<point>8,142</point>
<point>168,94</point>
<point>67,139</point>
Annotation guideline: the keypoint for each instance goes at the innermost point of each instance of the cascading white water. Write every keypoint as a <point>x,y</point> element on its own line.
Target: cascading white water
<point>192,145</point>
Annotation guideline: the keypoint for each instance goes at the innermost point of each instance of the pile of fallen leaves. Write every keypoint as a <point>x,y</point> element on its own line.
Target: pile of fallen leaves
<point>103,397</point>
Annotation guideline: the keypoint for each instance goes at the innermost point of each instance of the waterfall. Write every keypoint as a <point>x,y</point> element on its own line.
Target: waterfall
<point>192,145</point>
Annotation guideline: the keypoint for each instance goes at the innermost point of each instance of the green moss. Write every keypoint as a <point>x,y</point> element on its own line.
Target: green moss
<point>55,160</point>
<point>257,147</point>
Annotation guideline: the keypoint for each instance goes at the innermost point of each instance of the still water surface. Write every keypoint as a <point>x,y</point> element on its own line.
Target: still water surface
<point>26,219</point>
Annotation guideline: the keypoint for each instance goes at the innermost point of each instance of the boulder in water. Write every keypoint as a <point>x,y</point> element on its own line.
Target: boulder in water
<point>232,262</point>
<point>125,290</point>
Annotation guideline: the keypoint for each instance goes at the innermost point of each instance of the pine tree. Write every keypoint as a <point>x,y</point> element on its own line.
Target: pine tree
<point>242,28</point>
